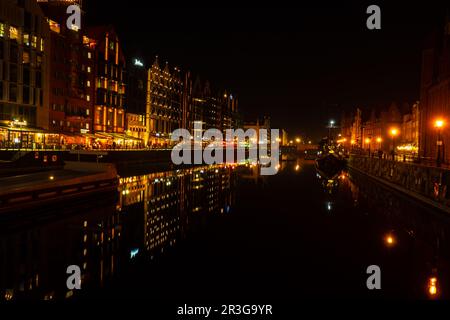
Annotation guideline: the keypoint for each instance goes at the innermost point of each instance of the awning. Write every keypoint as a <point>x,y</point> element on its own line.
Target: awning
<point>24,129</point>
<point>103,135</point>
<point>124,137</point>
<point>88,135</point>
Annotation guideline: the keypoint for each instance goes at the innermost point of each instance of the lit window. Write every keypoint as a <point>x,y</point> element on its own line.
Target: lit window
<point>87,126</point>
<point>89,55</point>
<point>88,98</point>
<point>26,39</point>
<point>42,45</point>
<point>88,83</point>
<point>13,33</point>
<point>34,42</point>
<point>2,30</point>
<point>89,69</point>
<point>54,26</point>
<point>87,112</point>
<point>26,57</point>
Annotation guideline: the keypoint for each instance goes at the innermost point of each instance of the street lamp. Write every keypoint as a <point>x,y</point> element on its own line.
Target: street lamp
<point>439,124</point>
<point>297,140</point>
<point>393,132</point>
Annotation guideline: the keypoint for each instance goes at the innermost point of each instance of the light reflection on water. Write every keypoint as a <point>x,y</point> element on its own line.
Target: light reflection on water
<point>151,214</point>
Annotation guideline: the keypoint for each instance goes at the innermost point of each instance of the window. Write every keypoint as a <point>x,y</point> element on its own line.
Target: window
<point>89,69</point>
<point>13,92</point>
<point>34,42</point>
<point>54,26</point>
<point>87,112</point>
<point>89,55</point>
<point>41,47</point>
<point>13,52</point>
<point>38,79</point>
<point>13,33</point>
<point>26,57</point>
<point>2,30</point>
<point>26,75</point>
<point>26,95</point>
<point>88,98</point>
<point>26,39</point>
<point>88,84</point>
<point>13,72</point>
<point>38,61</point>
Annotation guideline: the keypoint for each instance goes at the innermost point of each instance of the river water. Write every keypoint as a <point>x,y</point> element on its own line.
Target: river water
<point>220,232</point>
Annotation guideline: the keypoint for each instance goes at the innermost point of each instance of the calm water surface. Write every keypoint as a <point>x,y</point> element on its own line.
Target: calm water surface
<point>216,232</point>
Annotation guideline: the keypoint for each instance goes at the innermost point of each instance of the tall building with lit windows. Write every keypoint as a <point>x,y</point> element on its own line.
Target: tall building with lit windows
<point>71,76</point>
<point>136,99</point>
<point>435,94</point>
<point>109,71</point>
<point>215,109</point>
<point>164,103</point>
<point>23,73</point>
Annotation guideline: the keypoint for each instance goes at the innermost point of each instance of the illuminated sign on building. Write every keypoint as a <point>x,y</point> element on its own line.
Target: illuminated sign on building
<point>138,63</point>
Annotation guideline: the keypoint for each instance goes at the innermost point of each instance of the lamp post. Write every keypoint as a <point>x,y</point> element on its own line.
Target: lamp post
<point>331,126</point>
<point>367,141</point>
<point>393,132</point>
<point>379,140</point>
<point>439,124</point>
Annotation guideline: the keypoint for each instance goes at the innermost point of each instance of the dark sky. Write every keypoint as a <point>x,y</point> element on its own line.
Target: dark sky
<point>300,65</point>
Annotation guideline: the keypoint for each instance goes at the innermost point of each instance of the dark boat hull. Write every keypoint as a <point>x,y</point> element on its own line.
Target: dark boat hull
<point>330,166</point>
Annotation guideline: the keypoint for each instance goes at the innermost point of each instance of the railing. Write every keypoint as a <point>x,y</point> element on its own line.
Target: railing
<point>28,198</point>
<point>405,158</point>
<point>424,178</point>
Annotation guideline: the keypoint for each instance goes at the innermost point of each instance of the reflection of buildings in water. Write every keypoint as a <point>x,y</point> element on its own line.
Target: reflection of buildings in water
<point>167,199</point>
<point>409,225</point>
<point>252,172</point>
<point>34,259</point>
<point>151,214</point>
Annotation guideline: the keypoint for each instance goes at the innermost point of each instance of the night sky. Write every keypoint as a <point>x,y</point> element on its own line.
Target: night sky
<point>300,65</point>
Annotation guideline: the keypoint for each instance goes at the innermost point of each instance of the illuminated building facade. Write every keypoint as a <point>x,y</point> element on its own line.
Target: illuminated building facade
<point>136,99</point>
<point>410,131</point>
<point>23,74</point>
<point>164,104</point>
<point>136,127</point>
<point>72,78</point>
<point>435,94</point>
<point>201,104</point>
<point>109,99</point>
